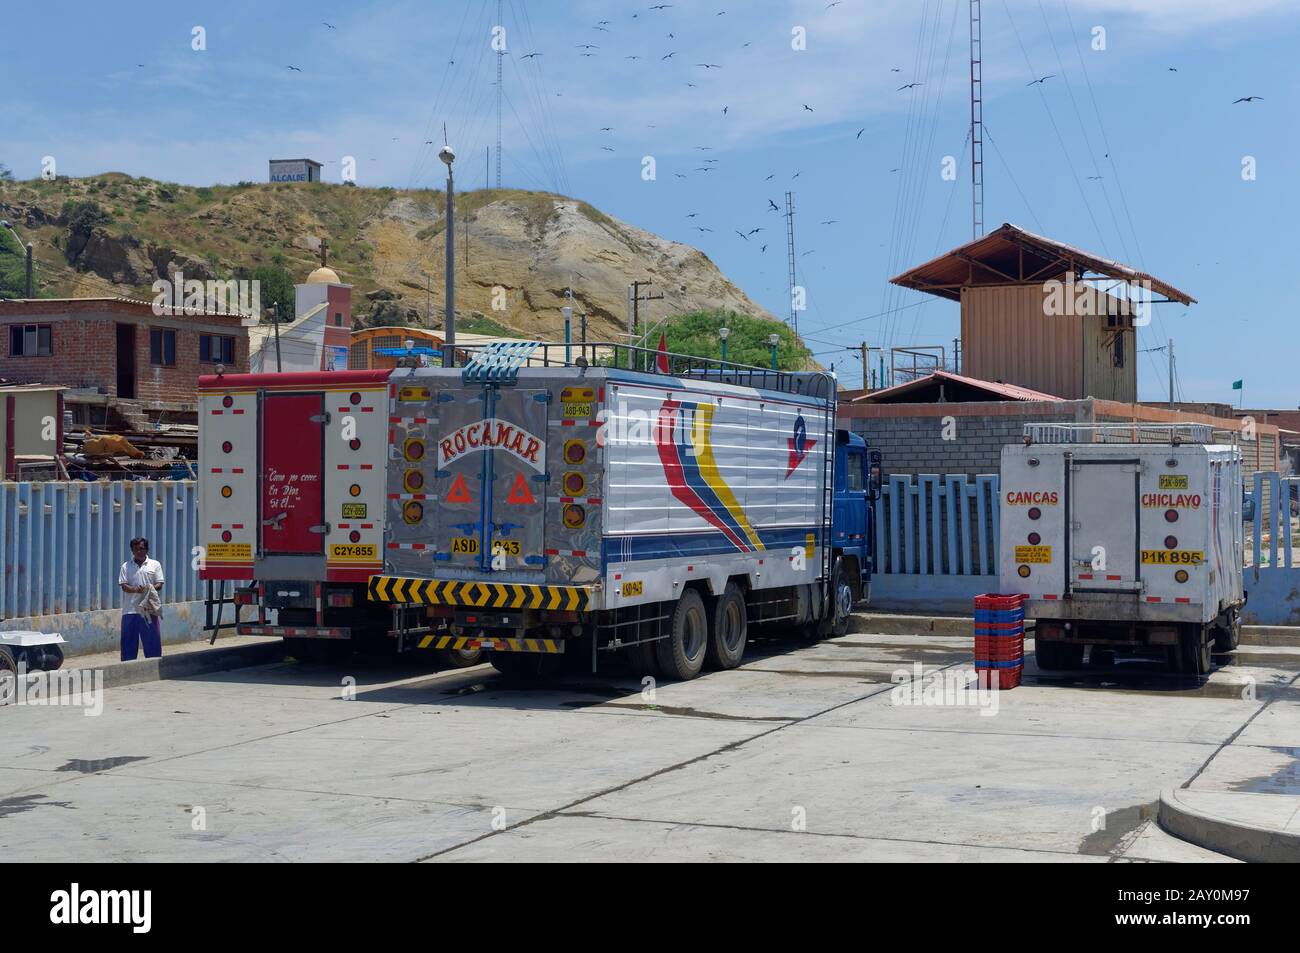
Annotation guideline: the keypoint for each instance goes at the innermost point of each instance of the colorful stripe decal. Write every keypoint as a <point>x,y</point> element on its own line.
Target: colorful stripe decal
<point>701,437</point>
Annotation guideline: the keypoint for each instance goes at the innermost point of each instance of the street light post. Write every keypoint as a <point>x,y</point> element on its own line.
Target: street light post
<point>722,333</point>
<point>448,156</point>
<point>773,340</point>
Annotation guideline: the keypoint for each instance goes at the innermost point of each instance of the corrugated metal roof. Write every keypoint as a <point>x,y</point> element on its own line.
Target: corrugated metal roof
<point>1011,255</point>
<point>995,390</point>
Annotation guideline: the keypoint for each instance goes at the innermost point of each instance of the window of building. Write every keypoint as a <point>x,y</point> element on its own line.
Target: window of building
<point>1118,352</point>
<point>338,320</point>
<point>30,340</point>
<point>216,349</point>
<point>162,347</point>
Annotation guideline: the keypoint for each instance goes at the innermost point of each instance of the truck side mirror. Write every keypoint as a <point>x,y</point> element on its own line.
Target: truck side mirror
<point>874,474</point>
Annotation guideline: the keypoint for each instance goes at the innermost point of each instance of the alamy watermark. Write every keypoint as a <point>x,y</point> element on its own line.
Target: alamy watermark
<point>179,295</point>
<point>79,687</point>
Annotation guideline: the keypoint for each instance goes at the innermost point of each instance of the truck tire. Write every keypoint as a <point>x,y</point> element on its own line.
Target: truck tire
<point>1194,651</point>
<point>729,632</point>
<point>458,658</point>
<point>681,655</point>
<point>7,661</point>
<point>1227,633</point>
<point>1057,656</point>
<point>842,601</point>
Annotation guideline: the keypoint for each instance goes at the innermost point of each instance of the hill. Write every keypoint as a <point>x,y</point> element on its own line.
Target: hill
<point>515,250</point>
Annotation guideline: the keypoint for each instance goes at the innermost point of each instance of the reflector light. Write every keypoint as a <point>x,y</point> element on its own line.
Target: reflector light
<point>1171,516</point>
<point>354,443</point>
<point>354,398</point>
<point>227,446</point>
<point>1171,542</point>
<point>413,511</point>
<point>1181,575</point>
<point>1034,539</point>
<point>413,449</point>
<point>574,483</point>
<point>574,516</point>
<point>1034,513</point>
<point>354,537</point>
<point>226,536</point>
<point>226,491</point>
<point>355,489</point>
<point>227,401</point>
<point>1024,572</point>
<point>413,481</point>
<point>575,451</point>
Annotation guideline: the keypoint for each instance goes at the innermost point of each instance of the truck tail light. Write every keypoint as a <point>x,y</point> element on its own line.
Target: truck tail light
<point>413,481</point>
<point>413,449</point>
<point>1171,542</point>
<point>227,446</point>
<point>413,512</point>
<point>574,483</point>
<point>1024,572</point>
<point>340,600</point>
<point>354,537</point>
<point>226,536</point>
<point>1181,575</point>
<point>1171,516</point>
<point>574,516</point>
<point>1034,539</point>
<point>1034,513</point>
<point>354,444</point>
<point>575,451</point>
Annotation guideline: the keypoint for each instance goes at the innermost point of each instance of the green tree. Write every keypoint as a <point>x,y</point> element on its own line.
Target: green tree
<point>697,334</point>
<point>276,288</point>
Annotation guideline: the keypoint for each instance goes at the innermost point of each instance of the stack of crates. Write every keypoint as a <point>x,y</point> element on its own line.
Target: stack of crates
<point>999,639</point>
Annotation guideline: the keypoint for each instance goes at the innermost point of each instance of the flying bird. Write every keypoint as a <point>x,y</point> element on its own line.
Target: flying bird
<point>741,234</point>
<point>763,249</point>
<point>860,132</point>
<point>607,148</point>
<point>895,69</point>
<point>724,110</point>
<point>587,46</point>
<point>330,25</point>
<point>807,107</point>
<point>701,228</point>
<point>709,65</point>
<point>631,57</point>
<point>669,55</point>
<point>692,214</point>
<point>830,221</point>
<point>754,231</point>
<point>1173,69</point>
<point>908,86</point>
<point>775,207</point>
<point>582,54</point>
<point>661,6</point>
<point>1246,99</point>
<point>606,128</point>
<point>529,56</point>
<point>1039,82</point>
<point>679,175</point>
<point>769,179</point>
<point>294,68</point>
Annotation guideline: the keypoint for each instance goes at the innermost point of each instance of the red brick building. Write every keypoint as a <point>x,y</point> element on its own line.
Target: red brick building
<point>117,346</point>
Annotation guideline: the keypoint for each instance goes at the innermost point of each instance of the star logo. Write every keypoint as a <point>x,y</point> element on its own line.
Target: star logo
<point>799,445</point>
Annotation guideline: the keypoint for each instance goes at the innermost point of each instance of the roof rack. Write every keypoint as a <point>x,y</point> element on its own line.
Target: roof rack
<point>500,362</point>
<point>1172,434</point>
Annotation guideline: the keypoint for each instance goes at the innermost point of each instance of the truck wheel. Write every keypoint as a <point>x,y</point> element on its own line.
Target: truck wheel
<point>458,658</point>
<point>1227,634</point>
<point>1194,651</point>
<point>842,595</point>
<point>681,655</point>
<point>7,661</point>
<point>1047,655</point>
<point>730,630</point>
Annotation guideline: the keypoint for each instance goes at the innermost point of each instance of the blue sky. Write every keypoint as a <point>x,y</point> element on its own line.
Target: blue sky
<point>101,89</point>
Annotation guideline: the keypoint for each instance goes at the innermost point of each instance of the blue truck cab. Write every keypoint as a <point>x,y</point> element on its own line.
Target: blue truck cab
<point>857,486</point>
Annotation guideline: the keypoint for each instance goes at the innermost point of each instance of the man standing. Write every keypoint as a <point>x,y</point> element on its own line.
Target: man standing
<point>141,580</point>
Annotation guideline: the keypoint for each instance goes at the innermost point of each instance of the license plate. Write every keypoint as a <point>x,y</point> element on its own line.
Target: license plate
<point>1033,554</point>
<point>633,588</point>
<point>353,552</point>
<point>1172,557</point>
<point>577,410</point>
<point>464,546</point>
<point>1173,481</point>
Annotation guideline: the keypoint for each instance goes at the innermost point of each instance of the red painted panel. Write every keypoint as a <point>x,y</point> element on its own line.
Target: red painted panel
<point>293,449</point>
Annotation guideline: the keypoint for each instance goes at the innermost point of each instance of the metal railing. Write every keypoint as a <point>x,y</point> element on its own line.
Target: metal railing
<point>1171,434</point>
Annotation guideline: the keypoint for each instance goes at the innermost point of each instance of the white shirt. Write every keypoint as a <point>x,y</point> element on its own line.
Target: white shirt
<point>147,573</point>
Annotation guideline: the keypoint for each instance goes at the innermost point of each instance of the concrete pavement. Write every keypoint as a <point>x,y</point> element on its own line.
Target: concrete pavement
<point>803,753</point>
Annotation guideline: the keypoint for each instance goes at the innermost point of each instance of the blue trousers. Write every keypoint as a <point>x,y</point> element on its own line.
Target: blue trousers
<point>137,629</point>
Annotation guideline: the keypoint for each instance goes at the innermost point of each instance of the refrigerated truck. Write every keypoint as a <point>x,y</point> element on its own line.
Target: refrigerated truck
<point>534,512</point>
<point>1124,538</point>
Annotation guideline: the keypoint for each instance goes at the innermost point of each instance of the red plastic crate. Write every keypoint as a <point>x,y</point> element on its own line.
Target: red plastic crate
<point>999,600</point>
<point>999,678</point>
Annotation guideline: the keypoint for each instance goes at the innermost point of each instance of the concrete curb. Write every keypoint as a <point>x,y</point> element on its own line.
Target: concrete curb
<point>188,664</point>
<point>1233,838</point>
<point>1280,635</point>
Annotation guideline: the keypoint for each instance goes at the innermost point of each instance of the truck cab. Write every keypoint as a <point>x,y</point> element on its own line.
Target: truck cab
<point>857,487</point>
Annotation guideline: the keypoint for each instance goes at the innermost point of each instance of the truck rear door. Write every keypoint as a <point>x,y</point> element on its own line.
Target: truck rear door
<point>1104,523</point>
<point>292,501</point>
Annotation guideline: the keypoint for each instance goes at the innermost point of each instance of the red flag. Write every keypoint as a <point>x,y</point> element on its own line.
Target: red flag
<point>661,360</point>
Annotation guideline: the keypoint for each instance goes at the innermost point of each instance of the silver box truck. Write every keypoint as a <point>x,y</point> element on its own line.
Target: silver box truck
<point>1124,537</point>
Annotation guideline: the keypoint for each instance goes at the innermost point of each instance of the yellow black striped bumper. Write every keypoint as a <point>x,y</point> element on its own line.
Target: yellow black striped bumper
<point>455,642</point>
<point>478,595</point>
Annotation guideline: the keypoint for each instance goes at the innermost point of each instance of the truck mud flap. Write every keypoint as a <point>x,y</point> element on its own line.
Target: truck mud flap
<point>479,595</point>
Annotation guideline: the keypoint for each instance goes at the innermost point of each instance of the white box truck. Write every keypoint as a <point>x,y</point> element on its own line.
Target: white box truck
<point>1124,538</point>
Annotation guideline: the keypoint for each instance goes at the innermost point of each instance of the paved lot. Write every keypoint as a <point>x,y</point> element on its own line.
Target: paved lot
<point>801,754</point>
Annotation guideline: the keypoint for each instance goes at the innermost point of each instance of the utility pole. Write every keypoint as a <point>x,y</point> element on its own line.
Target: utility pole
<point>500,54</point>
<point>276,306</point>
<point>862,349</point>
<point>448,156</point>
<point>634,299</point>
<point>976,121</point>
<point>428,301</point>
<point>1171,373</point>
<point>583,320</point>
<point>789,231</point>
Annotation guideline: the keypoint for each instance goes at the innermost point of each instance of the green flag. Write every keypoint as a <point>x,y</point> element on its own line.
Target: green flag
<point>1236,385</point>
